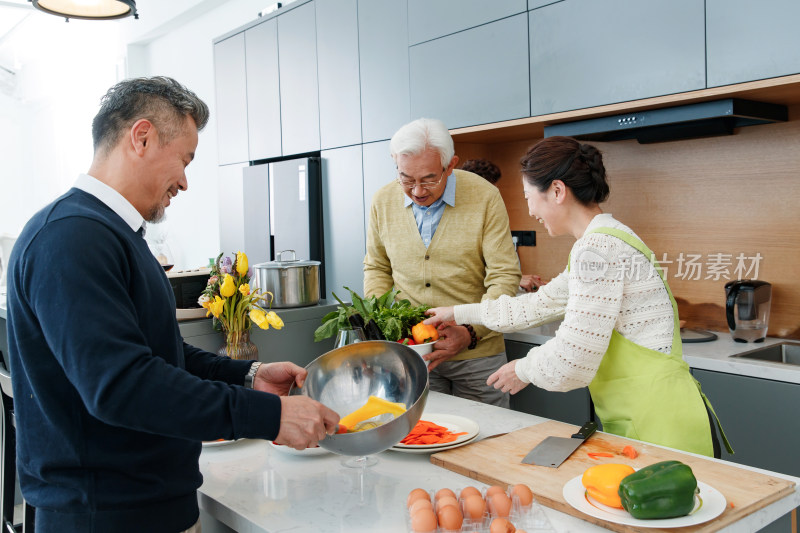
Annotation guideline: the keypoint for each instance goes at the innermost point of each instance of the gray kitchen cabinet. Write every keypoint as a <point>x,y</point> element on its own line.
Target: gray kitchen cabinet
<point>573,407</point>
<point>756,415</point>
<point>263,90</point>
<point>379,169</point>
<point>492,84</point>
<point>533,4</point>
<point>430,19</point>
<point>338,72</point>
<point>343,219</point>
<point>585,53</point>
<point>751,40</point>
<point>383,59</point>
<point>297,55</point>
<point>230,81</point>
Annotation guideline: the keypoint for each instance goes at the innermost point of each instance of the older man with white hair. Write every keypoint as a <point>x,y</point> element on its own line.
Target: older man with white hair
<point>441,237</point>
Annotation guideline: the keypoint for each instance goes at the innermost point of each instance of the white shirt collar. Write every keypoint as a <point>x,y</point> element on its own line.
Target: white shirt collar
<point>113,199</point>
<point>603,220</point>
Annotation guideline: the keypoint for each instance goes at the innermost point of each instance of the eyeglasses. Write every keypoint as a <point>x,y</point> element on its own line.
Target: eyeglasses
<point>426,184</point>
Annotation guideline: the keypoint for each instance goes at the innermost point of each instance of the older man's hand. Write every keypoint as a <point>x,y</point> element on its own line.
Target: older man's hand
<point>453,339</point>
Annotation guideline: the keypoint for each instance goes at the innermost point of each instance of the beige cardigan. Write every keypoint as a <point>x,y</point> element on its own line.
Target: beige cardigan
<point>470,258</point>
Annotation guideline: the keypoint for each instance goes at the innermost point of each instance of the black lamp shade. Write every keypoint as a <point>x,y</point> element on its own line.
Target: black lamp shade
<point>88,9</point>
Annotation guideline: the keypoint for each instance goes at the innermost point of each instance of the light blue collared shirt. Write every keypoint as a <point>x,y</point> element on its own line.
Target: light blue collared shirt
<point>428,218</point>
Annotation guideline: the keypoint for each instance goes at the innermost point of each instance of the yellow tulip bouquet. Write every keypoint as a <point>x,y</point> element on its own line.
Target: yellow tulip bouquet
<point>234,305</point>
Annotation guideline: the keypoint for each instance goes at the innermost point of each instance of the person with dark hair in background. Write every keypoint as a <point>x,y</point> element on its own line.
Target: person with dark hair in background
<point>620,334</point>
<point>491,173</point>
<point>483,168</point>
<point>111,405</point>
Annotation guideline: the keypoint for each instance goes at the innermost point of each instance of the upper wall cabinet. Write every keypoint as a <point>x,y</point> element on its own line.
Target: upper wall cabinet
<point>337,68</point>
<point>491,83</point>
<point>230,79</point>
<point>586,53</point>
<point>263,90</point>
<point>429,19</point>
<point>297,50</point>
<point>383,54</point>
<point>749,40</point>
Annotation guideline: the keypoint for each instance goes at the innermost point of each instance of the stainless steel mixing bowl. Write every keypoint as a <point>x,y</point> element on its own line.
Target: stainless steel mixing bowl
<point>343,379</point>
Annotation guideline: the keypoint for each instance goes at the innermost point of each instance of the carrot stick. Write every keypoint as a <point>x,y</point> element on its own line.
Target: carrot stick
<point>426,432</point>
<point>595,455</point>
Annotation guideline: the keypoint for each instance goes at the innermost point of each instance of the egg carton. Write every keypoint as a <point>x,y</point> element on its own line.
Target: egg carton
<point>525,518</point>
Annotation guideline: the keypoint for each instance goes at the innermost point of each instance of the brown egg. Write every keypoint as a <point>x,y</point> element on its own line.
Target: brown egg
<point>501,525</point>
<point>415,495</point>
<point>469,491</point>
<point>523,492</point>
<point>424,521</point>
<point>445,501</point>
<point>444,492</point>
<point>494,489</point>
<point>421,503</point>
<point>474,506</point>
<point>450,517</point>
<point>500,504</point>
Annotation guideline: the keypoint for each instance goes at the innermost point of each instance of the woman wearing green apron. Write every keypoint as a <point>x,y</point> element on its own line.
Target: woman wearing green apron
<point>620,334</point>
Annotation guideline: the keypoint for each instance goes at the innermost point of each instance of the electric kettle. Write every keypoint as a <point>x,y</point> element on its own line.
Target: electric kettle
<point>747,303</point>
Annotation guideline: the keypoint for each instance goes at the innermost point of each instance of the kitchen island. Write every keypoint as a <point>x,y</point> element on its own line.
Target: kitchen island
<point>249,486</point>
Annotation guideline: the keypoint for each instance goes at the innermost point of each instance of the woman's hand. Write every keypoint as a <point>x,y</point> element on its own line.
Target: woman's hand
<point>531,282</point>
<point>439,315</point>
<point>506,380</point>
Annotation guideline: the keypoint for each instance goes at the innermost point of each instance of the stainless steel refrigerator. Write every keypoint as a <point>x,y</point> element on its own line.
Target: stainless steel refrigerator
<point>282,210</point>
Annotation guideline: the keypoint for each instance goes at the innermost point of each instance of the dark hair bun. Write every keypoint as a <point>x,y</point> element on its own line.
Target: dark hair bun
<point>579,166</point>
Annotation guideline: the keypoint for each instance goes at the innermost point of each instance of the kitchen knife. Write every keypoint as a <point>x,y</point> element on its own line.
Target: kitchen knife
<point>553,451</point>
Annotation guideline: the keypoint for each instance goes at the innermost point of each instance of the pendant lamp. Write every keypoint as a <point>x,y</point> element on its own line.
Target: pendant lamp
<point>88,9</point>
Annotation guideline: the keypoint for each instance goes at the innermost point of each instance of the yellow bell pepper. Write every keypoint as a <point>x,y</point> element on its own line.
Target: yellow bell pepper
<point>602,482</point>
<point>375,406</point>
<point>228,287</point>
<point>423,333</point>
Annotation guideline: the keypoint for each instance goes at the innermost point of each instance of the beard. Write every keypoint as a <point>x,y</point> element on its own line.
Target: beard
<point>155,214</point>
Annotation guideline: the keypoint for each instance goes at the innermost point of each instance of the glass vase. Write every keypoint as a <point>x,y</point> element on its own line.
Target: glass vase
<point>238,346</point>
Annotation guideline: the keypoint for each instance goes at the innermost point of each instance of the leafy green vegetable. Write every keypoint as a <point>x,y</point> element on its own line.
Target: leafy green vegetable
<point>394,317</point>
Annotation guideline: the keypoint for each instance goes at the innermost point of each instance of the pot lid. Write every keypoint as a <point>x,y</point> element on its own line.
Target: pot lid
<point>287,259</point>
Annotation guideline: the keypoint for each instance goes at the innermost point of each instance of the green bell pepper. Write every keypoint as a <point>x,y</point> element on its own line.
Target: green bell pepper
<point>661,490</point>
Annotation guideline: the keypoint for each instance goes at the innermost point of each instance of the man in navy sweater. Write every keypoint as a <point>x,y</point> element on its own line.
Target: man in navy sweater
<point>111,404</point>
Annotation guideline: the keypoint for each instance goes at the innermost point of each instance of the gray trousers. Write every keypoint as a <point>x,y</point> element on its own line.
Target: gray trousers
<point>467,379</point>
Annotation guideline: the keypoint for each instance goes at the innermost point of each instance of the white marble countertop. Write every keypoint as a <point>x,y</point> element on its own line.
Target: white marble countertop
<point>251,487</point>
<point>713,355</point>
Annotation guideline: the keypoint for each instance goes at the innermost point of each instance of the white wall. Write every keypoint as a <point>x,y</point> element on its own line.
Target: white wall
<point>45,132</point>
<point>45,124</point>
<point>186,54</point>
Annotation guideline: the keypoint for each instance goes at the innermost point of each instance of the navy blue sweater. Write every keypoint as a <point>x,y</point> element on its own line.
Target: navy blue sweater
<point>111,404</point>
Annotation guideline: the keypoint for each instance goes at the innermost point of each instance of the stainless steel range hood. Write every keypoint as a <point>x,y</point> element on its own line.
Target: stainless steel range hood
<point>705,119</point>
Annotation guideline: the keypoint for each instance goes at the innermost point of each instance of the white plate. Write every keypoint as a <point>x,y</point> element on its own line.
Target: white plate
<point>454,424</point>
<point>291,451</point>
<point>421,449</point>
<point>713,505</point>
<point>212,443</point>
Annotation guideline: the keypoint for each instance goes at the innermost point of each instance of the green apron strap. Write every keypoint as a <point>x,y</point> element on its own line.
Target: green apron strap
<point>676,335</point>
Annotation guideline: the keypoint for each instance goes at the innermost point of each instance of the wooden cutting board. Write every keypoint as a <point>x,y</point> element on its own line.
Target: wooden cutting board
<point>497,461</point>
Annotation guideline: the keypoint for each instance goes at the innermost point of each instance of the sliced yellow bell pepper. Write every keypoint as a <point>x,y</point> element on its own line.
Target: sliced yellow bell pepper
<point>375,406</point>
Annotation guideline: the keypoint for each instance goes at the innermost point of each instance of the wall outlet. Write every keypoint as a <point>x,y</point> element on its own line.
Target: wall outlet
<point>525,238</point>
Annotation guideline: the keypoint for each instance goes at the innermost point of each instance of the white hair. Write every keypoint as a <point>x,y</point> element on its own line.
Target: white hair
<point>420,135</point>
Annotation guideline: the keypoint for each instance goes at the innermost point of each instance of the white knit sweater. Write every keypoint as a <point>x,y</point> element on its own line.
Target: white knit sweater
<point>610,286</point>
